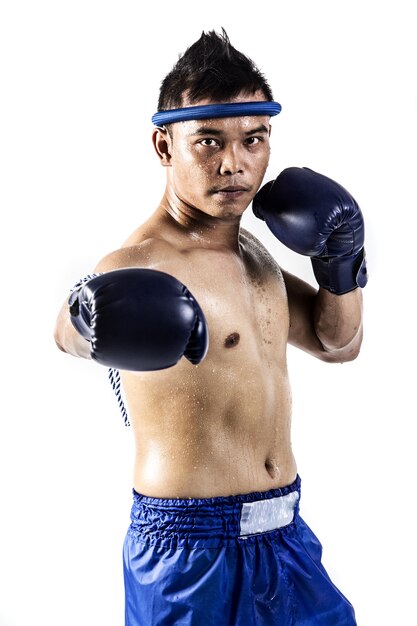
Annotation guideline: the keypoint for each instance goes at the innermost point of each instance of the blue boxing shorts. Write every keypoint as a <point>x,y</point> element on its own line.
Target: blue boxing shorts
<point>244,560</point>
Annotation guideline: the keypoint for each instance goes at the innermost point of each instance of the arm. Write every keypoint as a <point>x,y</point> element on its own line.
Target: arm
<point>133,318</point>
<point>325,325</point>
<point>315,216</point>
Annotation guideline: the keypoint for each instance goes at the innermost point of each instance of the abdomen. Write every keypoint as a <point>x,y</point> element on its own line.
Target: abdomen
<point>212,428</point>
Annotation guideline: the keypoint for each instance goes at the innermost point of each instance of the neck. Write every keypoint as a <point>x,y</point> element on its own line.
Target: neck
<point>199,227</point>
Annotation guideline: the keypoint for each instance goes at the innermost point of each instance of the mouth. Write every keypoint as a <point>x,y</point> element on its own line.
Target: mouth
<point>232,191</point>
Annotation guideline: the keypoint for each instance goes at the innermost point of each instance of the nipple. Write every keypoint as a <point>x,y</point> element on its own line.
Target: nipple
<point>231,340</point>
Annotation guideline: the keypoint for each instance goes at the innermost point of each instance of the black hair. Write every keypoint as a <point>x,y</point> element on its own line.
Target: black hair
<point>211,68</point>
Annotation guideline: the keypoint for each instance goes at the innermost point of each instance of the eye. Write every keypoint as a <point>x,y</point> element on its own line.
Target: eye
<point>209,142</point>
<point>253,141</point>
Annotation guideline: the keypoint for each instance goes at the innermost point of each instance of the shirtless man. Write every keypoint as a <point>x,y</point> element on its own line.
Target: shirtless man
<point>216,536</point>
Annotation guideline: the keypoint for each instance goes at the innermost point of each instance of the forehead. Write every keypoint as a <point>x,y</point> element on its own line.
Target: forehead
<point>245,124</point>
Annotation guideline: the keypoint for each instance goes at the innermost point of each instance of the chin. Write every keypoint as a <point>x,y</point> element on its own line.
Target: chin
<point>231,209</point>
<point>229,213</point>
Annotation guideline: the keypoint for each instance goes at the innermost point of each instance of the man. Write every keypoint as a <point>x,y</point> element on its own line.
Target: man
<point>215,535</point>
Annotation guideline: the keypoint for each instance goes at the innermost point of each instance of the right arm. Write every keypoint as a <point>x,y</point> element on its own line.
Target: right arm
<point>132,318</point>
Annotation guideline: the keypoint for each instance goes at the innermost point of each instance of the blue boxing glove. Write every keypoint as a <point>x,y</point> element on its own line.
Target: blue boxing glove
<point>315,216</point>
<point>139,319</point>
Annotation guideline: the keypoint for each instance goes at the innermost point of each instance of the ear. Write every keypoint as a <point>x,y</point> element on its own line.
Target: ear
<point>163,145</point>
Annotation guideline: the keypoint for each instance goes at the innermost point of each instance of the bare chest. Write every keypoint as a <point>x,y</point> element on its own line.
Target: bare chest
<point>239,291</point>
<point>243,299</point>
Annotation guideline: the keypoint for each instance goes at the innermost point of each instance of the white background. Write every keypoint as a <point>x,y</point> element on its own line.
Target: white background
<point>79,83</point>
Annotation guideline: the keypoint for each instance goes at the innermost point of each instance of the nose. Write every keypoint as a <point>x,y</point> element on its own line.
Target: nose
<point>232,161</point>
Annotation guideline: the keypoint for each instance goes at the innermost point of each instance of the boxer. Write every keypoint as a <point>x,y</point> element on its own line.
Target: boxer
<point>195,315</point>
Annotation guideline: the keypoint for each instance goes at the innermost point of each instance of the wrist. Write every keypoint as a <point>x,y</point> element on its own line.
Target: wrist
<point>339,275</point>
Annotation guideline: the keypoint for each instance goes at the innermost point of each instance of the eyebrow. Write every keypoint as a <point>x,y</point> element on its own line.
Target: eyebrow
<point>208,130</point>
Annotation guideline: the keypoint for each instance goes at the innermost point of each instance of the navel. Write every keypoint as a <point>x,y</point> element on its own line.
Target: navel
<point>232,340</point>
<point>272,468</point>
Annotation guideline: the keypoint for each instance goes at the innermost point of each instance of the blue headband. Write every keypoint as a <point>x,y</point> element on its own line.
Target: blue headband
<point>206,111</point>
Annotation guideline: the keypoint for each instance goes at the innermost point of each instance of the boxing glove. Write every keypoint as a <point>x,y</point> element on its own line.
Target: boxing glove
<point>139,319</point>
<point>315,216</point>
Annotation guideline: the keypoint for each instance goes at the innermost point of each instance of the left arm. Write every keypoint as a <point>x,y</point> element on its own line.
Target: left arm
<point>325,325</point>
<point>315,216</point>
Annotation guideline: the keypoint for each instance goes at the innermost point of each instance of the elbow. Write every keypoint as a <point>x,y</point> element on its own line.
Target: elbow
<point>343,354</point>
<point>352,352</point>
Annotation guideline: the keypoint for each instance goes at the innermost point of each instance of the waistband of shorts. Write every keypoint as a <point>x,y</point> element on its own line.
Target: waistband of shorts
<point>213,521</point>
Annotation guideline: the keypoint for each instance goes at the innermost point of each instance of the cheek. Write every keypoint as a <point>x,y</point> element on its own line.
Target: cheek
<point>196,168</point>
<point>263,162</point>
<point>192,175</point>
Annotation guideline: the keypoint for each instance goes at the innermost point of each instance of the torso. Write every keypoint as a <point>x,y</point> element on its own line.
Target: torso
<point>221,427</point>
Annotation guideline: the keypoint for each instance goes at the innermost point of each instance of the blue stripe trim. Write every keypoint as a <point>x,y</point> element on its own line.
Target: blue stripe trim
<point>206,111</point>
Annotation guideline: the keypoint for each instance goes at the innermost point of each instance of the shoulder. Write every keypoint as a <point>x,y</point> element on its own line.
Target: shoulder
<point>259,251</point>
<point>253,242</point>
<point>144,253</point>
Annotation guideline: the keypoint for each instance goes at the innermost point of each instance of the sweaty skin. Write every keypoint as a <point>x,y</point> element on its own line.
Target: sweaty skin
<point>222,427</point>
